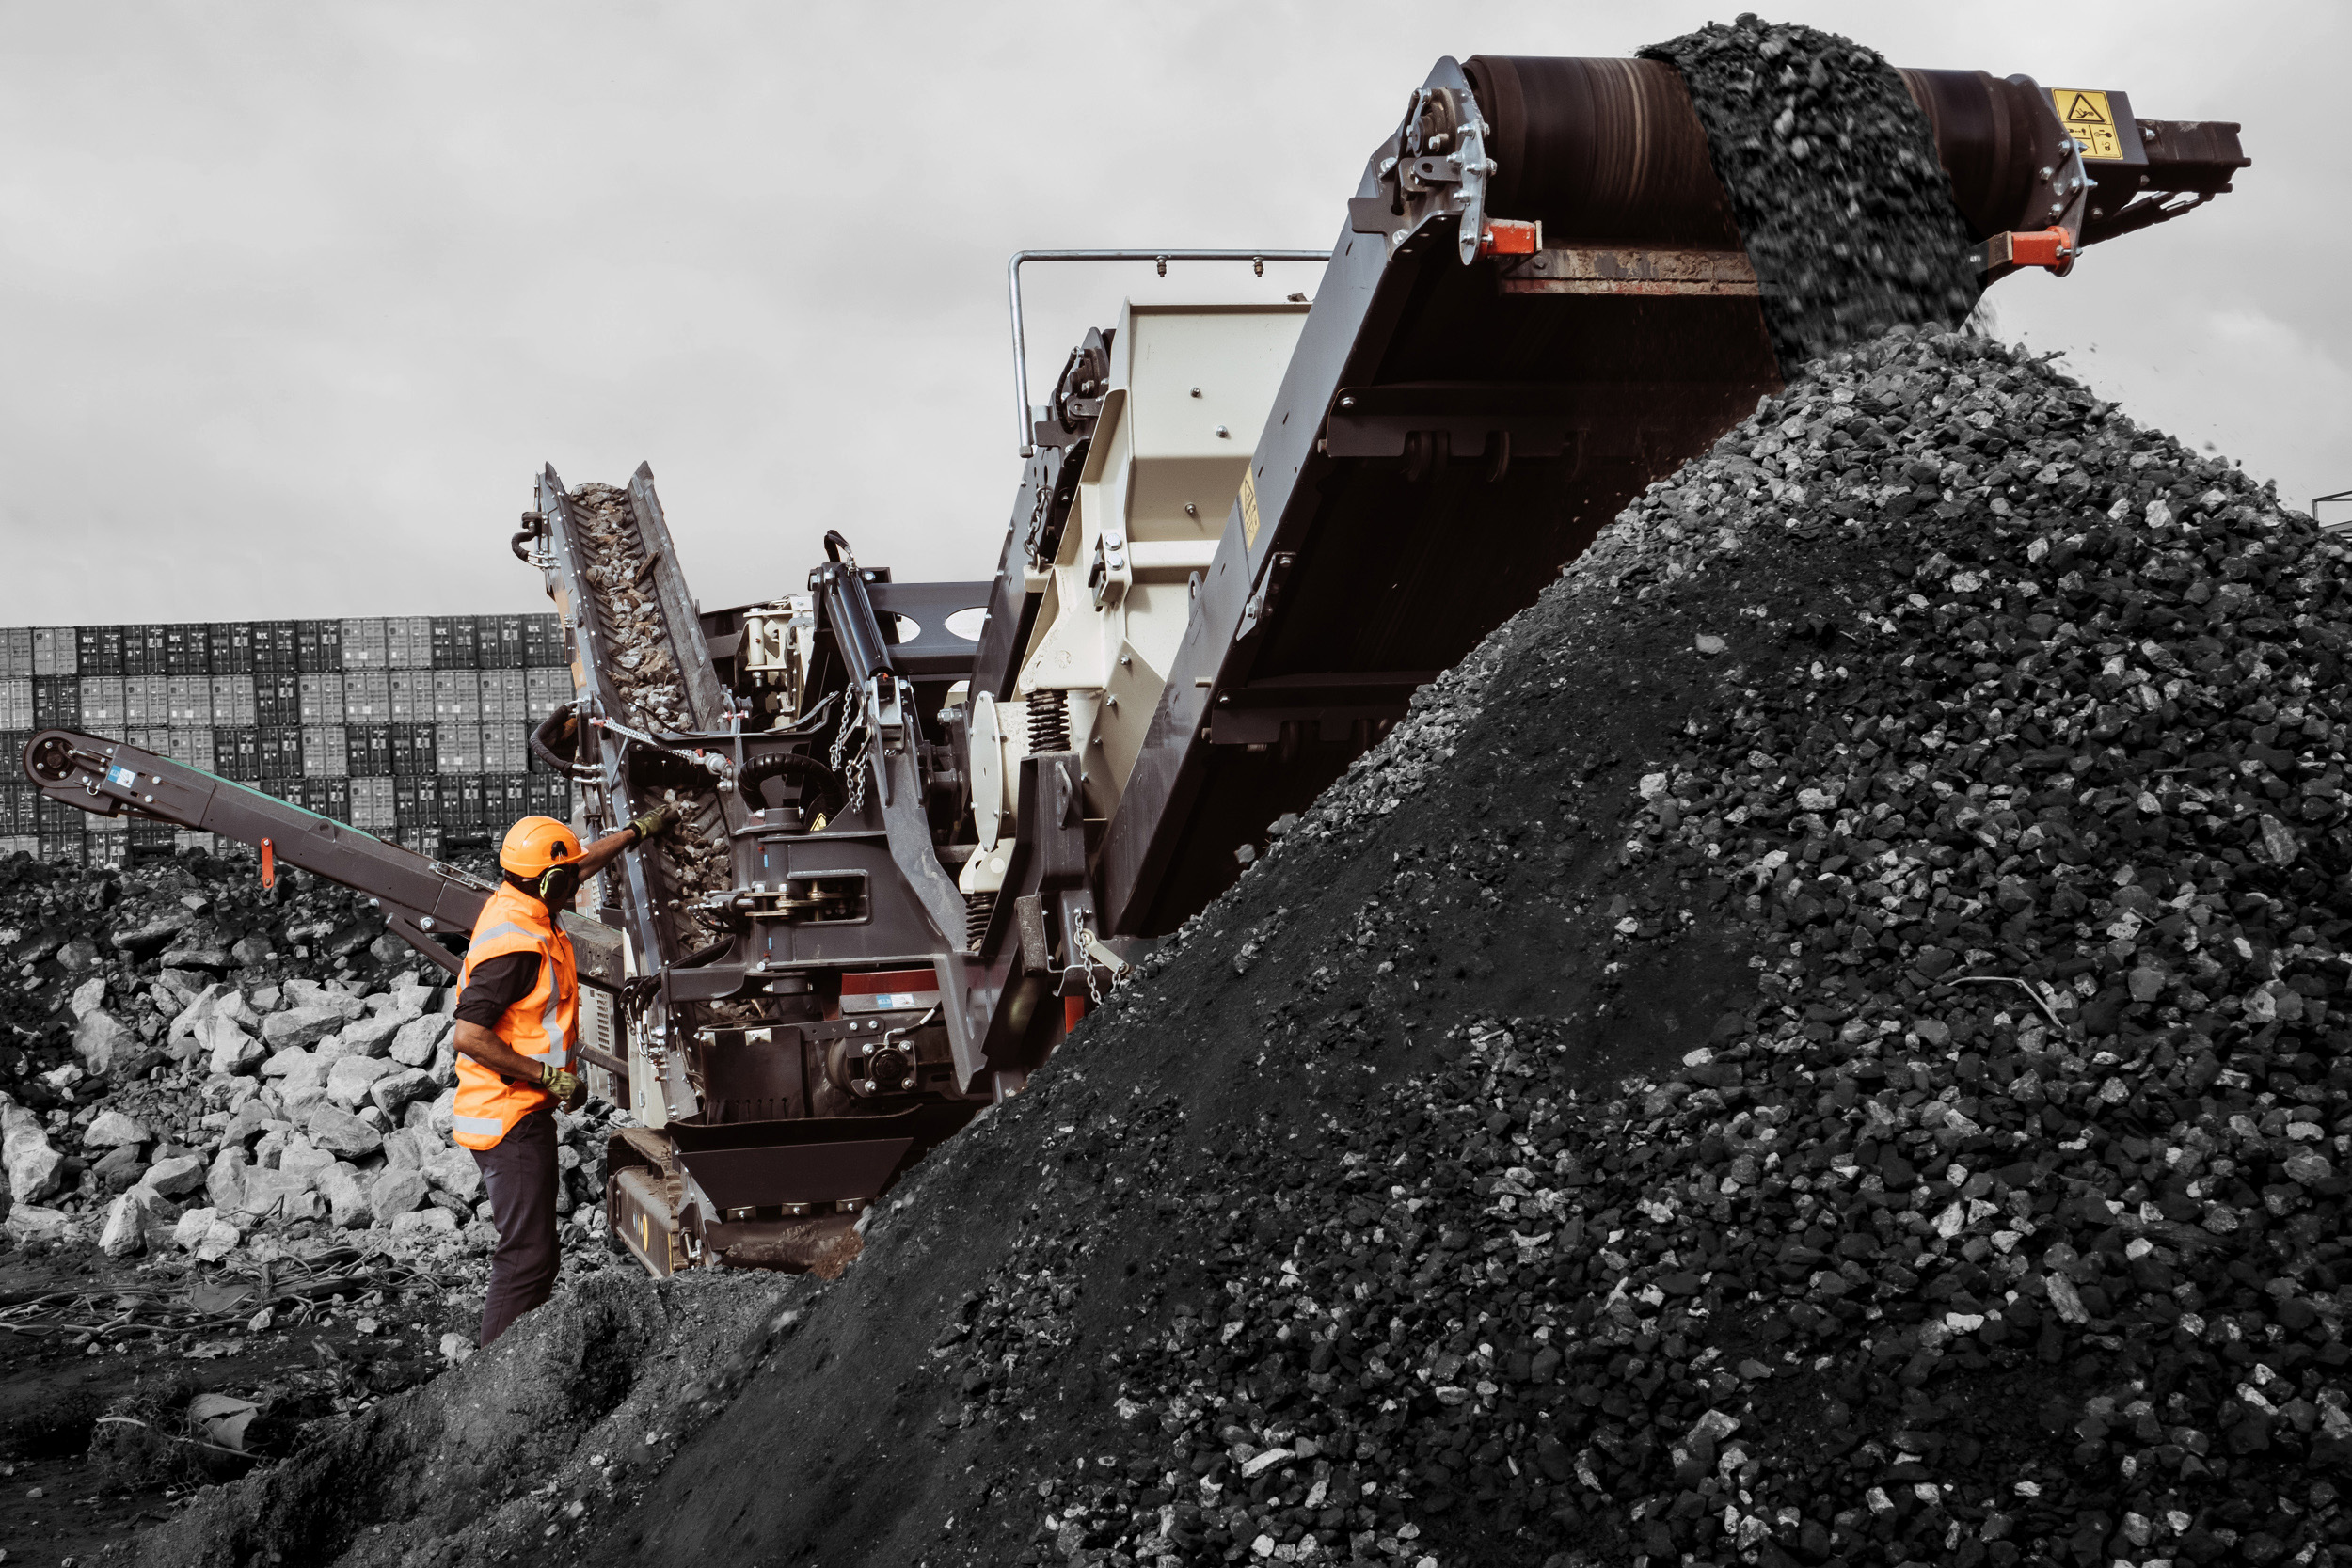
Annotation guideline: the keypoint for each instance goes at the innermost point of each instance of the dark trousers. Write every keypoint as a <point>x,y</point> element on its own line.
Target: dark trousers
<point>520,1174</point>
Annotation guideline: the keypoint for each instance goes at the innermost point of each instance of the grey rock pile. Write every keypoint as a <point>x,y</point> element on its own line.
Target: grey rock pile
<point>201,1067</point>
<point>1834,181</point>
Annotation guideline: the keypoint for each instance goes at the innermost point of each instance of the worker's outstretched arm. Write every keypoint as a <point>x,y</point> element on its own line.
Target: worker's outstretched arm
<point>654,823</point>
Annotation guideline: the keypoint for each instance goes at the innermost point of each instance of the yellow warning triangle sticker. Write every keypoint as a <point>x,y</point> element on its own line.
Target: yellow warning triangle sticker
<point>2090,118</point>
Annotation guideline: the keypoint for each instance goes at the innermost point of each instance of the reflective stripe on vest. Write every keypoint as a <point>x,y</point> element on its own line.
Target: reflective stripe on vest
<point>543,1025</point>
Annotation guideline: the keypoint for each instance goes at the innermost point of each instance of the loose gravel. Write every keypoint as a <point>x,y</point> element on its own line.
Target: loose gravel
<point>641,662</point>
<point>1833,179</point>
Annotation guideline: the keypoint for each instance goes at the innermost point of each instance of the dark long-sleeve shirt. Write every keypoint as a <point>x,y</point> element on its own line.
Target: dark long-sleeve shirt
<point>496,985</point>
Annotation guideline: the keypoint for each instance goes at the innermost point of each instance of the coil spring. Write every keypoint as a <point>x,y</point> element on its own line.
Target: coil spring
<point>1049,722</point>
<point>978,909</point>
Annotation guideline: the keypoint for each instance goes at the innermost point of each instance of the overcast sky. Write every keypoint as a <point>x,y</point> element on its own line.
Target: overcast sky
<point>298,297</point>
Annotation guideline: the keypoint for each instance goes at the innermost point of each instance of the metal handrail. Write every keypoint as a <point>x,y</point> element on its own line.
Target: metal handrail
<point>1013,286</point>
<point>2341,498</point>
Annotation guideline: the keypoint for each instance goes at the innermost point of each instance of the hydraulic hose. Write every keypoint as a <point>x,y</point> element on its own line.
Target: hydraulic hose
<point>704,955</point>
<point>543,739</point>
<point>534,527</point>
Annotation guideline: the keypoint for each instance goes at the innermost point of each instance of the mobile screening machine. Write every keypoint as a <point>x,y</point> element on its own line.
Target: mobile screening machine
<point>1243,536</point>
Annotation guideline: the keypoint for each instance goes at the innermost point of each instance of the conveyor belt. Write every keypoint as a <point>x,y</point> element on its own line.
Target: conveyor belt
<point>1449,436</point>
<point>639,659</point>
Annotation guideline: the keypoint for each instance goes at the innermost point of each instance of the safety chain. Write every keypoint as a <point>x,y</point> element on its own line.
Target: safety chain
<point>853,713</point>
<point>1037,519</point>
<point>1086,959</point>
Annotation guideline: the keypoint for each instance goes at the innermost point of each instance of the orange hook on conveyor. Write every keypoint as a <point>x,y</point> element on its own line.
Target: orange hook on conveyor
<point>269,863</point>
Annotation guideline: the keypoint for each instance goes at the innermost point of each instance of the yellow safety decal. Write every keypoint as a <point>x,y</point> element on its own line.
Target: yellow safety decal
<point>1249,508</point>
<point>2088,121</point>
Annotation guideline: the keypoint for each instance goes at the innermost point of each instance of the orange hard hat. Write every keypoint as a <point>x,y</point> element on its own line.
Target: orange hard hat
<point>534,843</point>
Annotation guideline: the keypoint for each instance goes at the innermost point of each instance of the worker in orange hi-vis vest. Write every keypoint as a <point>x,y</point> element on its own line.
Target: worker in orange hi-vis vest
<point>517,1030</point>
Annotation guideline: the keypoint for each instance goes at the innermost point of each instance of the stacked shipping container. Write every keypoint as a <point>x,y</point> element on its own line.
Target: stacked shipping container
<point>413,728</point>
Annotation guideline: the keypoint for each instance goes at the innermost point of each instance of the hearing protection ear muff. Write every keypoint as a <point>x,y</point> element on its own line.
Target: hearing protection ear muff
<point>557,885</point>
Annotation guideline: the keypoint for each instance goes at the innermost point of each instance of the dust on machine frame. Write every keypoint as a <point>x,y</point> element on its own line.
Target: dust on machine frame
<point>1235,551</point>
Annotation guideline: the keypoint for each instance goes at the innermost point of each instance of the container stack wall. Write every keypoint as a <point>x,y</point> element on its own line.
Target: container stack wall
<point>413,727</point>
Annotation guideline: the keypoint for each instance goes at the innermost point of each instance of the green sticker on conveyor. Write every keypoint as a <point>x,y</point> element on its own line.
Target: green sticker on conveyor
<point>2089,120</point>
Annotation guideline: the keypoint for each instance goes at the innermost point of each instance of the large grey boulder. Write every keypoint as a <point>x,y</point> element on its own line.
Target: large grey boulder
<point>148,935</point>
<point>87,997</point>
<point>340,1132</point>
<point>180,1041</point>
<point>200,946</point>
<point>295,1068</point>
<point>110,1129</point>
<point>177,989</point>
<point>224,1182</point>
<point>415,996</point>
<point>300,1100</point>
<point>299,1026</point>
<point>279,1195</point>
<point>454,1171</point>
<point>346,1196</point>
<point>102,1043</point>
<point>31,1161</point>
<point>214,1000</point>
<point>309,993</point>
<point>176,1177</point>
<point>229,1050</point>
<point>209,1233</point>
<point>117,1170</point>
<point>400,1088</point>
<point>412,1046</point>
<point>398,1190</point>
<point>369,1037</point>
<point>129,1218</point>
<point>32,1222</point>
<point>248,1121</point>
<point>349,1078</point>
<point>301,1157</point>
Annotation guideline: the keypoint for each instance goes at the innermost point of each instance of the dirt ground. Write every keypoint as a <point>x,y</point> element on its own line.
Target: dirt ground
<point>76,1480</point>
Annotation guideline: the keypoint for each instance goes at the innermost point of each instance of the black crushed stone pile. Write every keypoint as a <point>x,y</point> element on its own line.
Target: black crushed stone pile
<point>1993,1216</point>
<point>2005,1221</point>
<point>1834,181</point>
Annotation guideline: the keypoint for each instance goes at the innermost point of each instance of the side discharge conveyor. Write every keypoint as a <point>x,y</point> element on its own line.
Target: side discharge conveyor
<point>430,905</point>
<point>1244,535</point>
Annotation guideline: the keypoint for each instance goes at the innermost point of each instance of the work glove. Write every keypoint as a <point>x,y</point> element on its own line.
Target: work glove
<point>561,1082</point>
<point>660,820</point>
